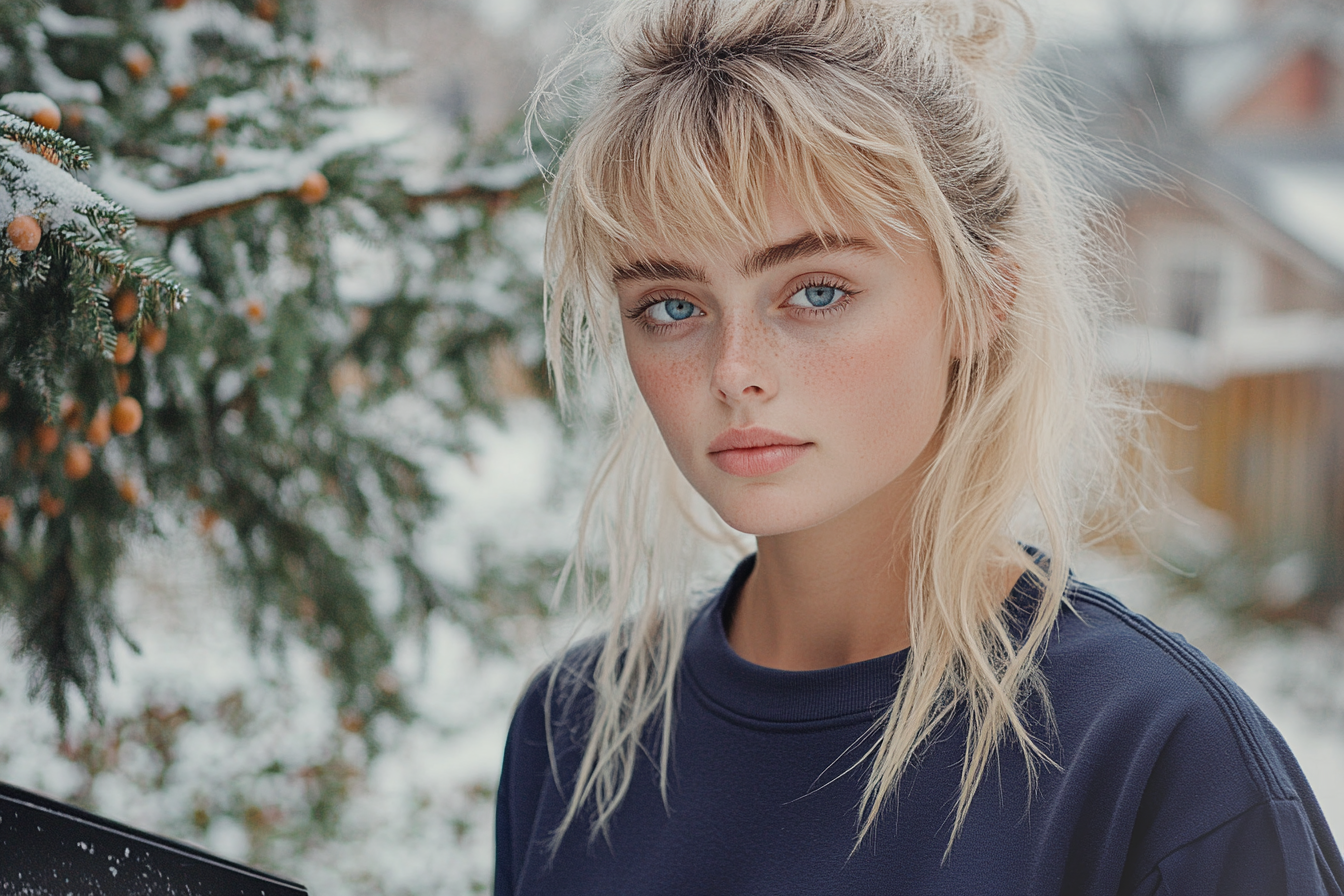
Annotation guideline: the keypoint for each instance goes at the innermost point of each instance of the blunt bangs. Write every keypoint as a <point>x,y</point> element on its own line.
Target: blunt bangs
<point>694,166</point>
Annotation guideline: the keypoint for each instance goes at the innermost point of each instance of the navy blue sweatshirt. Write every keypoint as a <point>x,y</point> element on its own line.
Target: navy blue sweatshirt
<point>1171,781</point>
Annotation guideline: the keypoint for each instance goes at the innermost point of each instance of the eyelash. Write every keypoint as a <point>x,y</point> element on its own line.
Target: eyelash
<point>638,315</point>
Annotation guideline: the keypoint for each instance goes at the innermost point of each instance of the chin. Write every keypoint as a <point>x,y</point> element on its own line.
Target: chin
<point>762,516</point>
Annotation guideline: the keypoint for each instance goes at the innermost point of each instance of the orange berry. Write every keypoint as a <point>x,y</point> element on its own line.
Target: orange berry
<point>72,412</point>
<point>152,339</point>
<point>214,121</point>
<point>206,519</point>
<point>6,511</point>
<point>78,461</point>
<point>74,116</point>
<point>99,431</point>
<point>125,350</point>
<point>255,311</point>
<point>4,400</point>
<point>126,416</point>
<point>25,233</point>
<point>49,504</point>
<point>220,158</point>
<point>178,92</point>
<point>174,4</point>
<point>128,491</point>
<point>46,437</point>
<point>313,189</point>
<point>121,378</point>
<point>48,116</point>
<point>125,306</point>
<point>266,10</point>
<point>352,721</point>
<point>138,63</point>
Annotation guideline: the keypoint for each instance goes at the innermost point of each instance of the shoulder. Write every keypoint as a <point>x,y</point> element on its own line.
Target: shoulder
<point>1181,753</point>
<point>545,738</point>
<point>1106,663</point>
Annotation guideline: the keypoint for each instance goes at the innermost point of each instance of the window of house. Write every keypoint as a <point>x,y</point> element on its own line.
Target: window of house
<point>1192,295</point>
<point>1199,277</point>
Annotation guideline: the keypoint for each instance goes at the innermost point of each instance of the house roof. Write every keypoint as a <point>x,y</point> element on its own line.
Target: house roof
<point>1306,201</point>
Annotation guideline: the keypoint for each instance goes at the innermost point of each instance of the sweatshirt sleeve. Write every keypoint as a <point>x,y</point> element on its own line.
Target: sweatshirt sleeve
<point>1274,847</point>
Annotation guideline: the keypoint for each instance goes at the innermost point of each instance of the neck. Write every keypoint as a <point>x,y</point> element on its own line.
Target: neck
<point>829,595</point>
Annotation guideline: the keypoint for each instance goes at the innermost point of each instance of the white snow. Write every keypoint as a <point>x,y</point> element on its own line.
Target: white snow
<point>26,104</point>
<point>246,102</point>
<point>58,22</point>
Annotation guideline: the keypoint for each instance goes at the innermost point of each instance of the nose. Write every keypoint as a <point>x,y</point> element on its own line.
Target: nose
<point>744,369</point>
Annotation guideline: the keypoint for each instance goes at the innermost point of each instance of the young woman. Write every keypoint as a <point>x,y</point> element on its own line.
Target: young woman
<point>847,283</point>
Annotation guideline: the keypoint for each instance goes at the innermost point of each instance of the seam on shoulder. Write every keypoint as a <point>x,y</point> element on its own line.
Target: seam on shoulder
<point>1232,708</point>
<point>1218,827</point>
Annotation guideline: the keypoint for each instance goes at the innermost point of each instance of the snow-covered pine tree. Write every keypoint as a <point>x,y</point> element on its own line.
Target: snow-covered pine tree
<point>279,403</point>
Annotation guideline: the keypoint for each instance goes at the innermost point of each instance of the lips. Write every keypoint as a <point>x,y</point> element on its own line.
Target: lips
<point>755,451</point>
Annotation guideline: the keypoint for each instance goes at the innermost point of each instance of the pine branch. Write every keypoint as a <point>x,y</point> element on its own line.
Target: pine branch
<point>492,195</point>
<point>61,150</point>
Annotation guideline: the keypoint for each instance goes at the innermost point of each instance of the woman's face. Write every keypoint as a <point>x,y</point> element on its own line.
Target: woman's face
<point>793,384</point>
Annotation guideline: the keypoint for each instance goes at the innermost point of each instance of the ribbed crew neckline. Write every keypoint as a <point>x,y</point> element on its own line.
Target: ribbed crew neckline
<point>836,695</point>
<point>763,694</point>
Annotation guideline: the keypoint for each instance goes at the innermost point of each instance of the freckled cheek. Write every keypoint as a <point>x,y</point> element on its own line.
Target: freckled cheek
<point>671,384</point>
<point>877,394</point>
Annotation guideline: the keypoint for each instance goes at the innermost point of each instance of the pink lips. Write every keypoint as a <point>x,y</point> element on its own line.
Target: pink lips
<point>755,451</point>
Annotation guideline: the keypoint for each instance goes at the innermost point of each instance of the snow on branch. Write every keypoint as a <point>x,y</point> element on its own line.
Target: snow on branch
<point>191,204</point>
<point>188,205</point>
<point>59,23</point>
<point>492,185</point>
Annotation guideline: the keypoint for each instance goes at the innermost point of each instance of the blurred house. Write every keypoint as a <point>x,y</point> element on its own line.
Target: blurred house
<point>1237,278</point>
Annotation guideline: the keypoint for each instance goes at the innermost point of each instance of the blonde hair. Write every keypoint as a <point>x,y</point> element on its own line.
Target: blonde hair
<point>897,117</point>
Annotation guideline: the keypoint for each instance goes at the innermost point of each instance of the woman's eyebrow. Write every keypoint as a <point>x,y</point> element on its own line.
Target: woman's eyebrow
<point>801,247</point>
<point>656,269</point>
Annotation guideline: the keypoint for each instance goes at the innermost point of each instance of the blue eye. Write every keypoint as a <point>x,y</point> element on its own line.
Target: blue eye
<point>816,297</point>
<point>672,310</point>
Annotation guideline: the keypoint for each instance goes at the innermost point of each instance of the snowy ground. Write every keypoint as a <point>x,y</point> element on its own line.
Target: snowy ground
<point>207,742</point>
